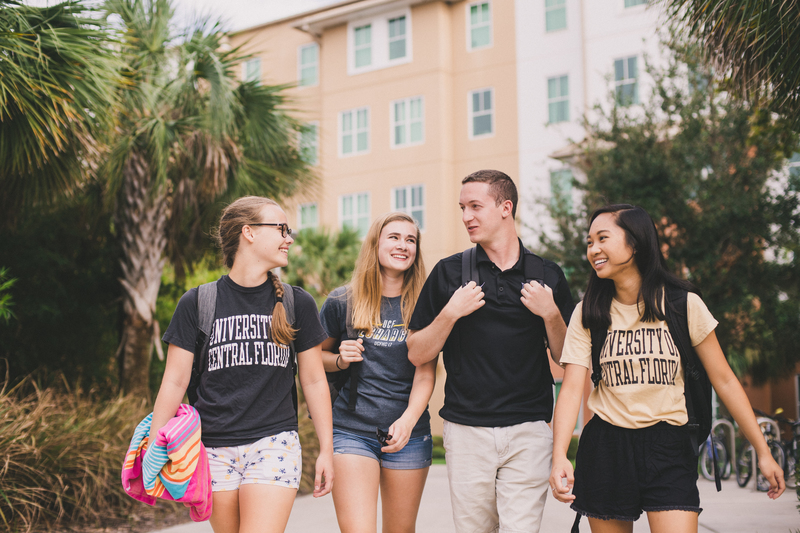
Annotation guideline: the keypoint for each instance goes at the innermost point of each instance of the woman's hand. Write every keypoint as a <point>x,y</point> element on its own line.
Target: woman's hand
<point>400,432</point>
<point>350,352</point>
<point>774,474</point>
<point>562,469</point>
<point>323,480</point>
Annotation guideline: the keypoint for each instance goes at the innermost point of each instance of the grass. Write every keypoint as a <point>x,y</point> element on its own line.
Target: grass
<point>60,457</point>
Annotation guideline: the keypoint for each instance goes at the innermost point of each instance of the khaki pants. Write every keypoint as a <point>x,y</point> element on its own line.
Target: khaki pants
<point>498,476</point>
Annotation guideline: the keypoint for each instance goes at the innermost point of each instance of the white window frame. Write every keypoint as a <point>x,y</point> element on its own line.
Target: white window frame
<point>557,99</point>
<point>406,123</point>
<point>470,48</point>
<point>314,143</point>
<point>379,42</point>
<point>626,80</point>
<point>390,39</point>
<point>300,225</point>
<point>301,66</point>
<point>355,217</point>
<point>547,10</point>
<point>471,114</point>
<point>409,209</point>
<point>355,132</point>
<point>245,67</point>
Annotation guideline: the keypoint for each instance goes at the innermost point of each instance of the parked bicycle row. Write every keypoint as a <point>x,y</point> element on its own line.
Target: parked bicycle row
<point>733,454</point>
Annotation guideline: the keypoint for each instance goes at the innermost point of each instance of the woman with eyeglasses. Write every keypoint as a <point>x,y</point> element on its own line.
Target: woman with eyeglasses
<point>382,438</point>
<point>635,455</point>
<point>245,392</point>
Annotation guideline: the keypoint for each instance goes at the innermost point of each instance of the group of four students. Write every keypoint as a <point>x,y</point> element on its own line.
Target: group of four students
<point>495,329</point>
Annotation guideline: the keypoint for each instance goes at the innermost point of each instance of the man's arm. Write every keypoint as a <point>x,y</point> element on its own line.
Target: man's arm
<point>425,344</point>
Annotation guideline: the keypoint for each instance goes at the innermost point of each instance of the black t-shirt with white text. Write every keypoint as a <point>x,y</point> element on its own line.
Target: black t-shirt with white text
<point>245,390</point>
<point>498,373</point>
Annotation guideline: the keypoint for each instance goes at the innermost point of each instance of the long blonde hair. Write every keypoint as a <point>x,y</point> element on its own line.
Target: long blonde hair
<point>366,286</point>
<point>245,211</point>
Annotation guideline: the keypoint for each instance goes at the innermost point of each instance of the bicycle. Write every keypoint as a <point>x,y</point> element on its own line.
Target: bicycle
<point>722,451</point>
<point>747,460</point>
<point>790,447</point>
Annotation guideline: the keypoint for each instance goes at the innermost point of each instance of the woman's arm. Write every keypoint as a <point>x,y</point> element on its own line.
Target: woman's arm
<point>421,391</point>
<point>176,378</point>
<point>348,352</point>
<point>564,419</point>
<point>732,394</point>
<point>318,397</point>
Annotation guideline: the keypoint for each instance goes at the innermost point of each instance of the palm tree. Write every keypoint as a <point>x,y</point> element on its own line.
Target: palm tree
<point>58,77</point>
<point>755,43</point>
<point>188,135</point>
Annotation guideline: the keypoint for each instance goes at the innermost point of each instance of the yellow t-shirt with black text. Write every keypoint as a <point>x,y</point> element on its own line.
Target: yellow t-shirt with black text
<point>642,374</point>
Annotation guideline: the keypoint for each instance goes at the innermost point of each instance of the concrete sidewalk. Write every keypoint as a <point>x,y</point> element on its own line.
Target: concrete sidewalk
<point>733,510</point>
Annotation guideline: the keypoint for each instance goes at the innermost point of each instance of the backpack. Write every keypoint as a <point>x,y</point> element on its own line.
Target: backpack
<point>697,386</point>
<point>337,379</point>
<point>206,307</point>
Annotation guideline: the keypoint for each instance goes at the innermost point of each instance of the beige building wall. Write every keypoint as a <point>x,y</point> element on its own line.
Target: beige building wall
<point>442,70</point>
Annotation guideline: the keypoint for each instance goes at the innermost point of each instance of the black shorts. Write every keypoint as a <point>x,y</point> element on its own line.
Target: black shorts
<point>621,472</point>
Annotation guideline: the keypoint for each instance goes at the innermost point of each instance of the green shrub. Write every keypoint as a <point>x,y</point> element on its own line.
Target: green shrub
<point>60,457</point>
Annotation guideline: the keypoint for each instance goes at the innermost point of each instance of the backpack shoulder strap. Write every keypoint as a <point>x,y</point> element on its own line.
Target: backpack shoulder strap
<point>354,368</point>
<point>532,266</point>
<point>348,319</point>
<point>288,307</point>
<point>469,266</point>
<point>598,340</point>
<point>206,308</point>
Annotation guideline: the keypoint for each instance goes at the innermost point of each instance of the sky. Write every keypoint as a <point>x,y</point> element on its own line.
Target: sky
<point>236,14</point>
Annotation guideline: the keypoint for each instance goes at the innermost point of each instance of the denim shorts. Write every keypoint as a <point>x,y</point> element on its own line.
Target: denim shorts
<point>417,452</point>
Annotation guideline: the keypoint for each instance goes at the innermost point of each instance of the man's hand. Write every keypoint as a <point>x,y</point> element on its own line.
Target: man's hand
<point>539,299</point>
<point>465,300</point>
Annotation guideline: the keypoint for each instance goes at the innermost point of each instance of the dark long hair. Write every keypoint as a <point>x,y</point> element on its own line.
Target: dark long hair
<point>642,237</point>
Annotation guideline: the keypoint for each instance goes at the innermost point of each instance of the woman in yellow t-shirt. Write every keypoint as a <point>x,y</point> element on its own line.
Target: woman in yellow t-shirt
<point>635,455</point>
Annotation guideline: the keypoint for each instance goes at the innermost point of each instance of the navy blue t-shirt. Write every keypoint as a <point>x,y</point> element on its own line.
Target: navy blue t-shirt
<point>245,391</point>
<point>385,376</point>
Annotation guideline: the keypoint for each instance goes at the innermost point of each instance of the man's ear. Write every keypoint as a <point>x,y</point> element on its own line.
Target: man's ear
<point>508,208</point>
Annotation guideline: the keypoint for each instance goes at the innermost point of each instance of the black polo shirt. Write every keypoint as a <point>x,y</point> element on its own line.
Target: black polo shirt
<point>498,372</point>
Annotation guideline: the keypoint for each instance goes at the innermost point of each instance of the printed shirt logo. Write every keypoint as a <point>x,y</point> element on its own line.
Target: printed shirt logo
<point>387,333</point>
<point>240,340</point>
<point>645,356</point>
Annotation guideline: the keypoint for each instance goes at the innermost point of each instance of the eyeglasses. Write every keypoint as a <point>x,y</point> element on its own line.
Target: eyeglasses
<point>285,229</point>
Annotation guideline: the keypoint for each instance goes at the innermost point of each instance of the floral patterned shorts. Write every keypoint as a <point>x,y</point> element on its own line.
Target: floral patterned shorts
<point>274,460</point>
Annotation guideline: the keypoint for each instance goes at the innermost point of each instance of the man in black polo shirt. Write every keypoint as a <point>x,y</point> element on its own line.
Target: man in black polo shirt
<point>498,393</point>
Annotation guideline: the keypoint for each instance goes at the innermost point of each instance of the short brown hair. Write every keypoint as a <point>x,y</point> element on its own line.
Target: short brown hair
<point>501,187</point>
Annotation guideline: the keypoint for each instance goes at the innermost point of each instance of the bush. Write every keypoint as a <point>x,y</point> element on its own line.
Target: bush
<point>60,457</point>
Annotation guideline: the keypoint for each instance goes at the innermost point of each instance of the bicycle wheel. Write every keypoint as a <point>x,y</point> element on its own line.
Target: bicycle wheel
<point>789,473</point>
<point>721,435</point>
<point>707,461</point>
<point>744,465</point>
<point>780,457</point>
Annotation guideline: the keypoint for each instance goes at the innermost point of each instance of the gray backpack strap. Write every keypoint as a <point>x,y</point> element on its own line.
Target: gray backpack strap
<point>288,306</point>
<point>206,308</point>
<point>355,368</point>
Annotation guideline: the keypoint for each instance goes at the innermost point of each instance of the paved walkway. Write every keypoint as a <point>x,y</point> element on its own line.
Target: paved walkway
<point>733,510</point>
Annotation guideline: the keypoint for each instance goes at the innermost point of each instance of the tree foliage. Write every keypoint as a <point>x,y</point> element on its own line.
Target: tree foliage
<point>710,171</point>
<point>321,261</point>
<point>754,44</point>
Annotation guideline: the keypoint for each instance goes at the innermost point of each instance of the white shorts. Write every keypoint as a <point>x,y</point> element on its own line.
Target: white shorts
<point>274,460</point>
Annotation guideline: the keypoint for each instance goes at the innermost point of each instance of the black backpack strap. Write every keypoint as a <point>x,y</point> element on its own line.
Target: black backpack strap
<point>598,340</point>
<point>469,266</point>
<point>355,368</point>
<point>206,308</point>
<point>288,307</point>
<point>533,267</point>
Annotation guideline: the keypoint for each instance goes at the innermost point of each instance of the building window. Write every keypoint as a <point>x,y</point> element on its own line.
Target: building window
<point>632,3</point>
<point>354,212</point>
<point>397,37</point>
<point>794,170</point>
<point>354,131</point>
<point>363,46</point>
<point>480,25</point>
<point>308,216</point>
<point>555,14</point>
<point>481,112</point>
<point>625,81</point>
<point>410,200</point>
<point>309,143</point>
<point>308,65</point>
<point>558,99</point>
<point>407,122</point>
<point>561,189</point>
<point>252,70</point>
